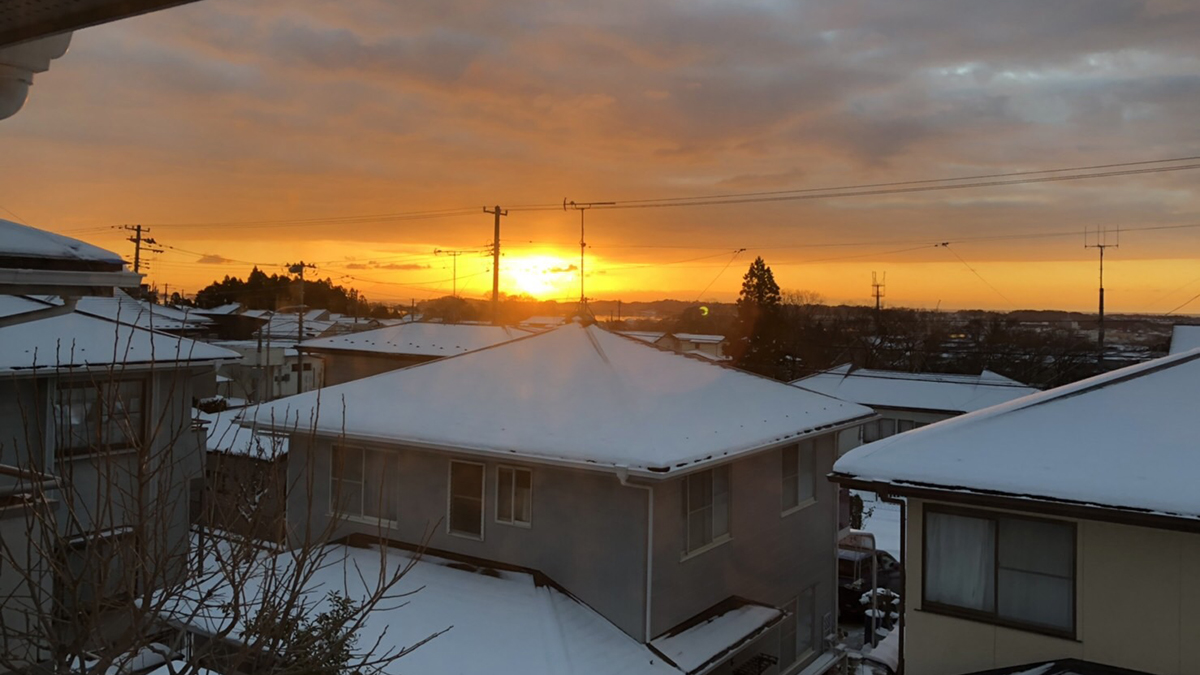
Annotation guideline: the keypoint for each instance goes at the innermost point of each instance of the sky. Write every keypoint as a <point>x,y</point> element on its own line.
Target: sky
<point>258,133</point>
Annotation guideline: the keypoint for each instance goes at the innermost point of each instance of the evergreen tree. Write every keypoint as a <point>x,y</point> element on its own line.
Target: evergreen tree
<point>758,346</point>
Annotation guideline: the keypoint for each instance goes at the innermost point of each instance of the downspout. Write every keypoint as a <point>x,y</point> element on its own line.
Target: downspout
<point>623,476</point>
<point>903,570</point>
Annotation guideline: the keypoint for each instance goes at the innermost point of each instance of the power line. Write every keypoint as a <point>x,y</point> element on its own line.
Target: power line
<point>946,245</point>
<point>714,279</point>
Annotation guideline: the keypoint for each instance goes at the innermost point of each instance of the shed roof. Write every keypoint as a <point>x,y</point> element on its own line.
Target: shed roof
<point>1122,440</point>
<point>575,394</point>
<point>941,392</point>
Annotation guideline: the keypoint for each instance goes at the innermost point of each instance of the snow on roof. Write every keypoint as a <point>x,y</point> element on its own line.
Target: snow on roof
<point>918,391</point>
<point>698,645</point>
<point>127,309</point>
<point>420,339</point>
<point>288,326</point>
<point>643,335</point>
<point>22,241</point>
<point>544,321</point>
<point>230,308</point>
<point>1184,338</point>
<point>1123,440</point>
<point>499,621</point>
<point>74,339</point>
<point>227,436</point>
<point>700,337</point>
<point>573,394</point>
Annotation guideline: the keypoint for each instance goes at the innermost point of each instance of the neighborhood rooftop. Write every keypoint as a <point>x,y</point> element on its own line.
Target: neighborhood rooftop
<point>419,339</point>
<point>127,309</point>
<point>1184,338</point>
<point>499,621</point>
<point>22,241</point>
<point>1123,440</point>
<point>575,394</point>
<point>73,339</point>
<point>921,391</point>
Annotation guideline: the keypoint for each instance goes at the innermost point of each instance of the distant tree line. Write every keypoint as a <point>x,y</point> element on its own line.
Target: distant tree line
<point>273,292</point>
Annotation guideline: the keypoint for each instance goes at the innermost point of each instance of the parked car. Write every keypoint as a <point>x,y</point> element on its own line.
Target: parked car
<point>854,577</point>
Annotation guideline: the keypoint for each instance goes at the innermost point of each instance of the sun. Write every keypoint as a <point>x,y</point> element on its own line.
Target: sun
<point>543,276</point>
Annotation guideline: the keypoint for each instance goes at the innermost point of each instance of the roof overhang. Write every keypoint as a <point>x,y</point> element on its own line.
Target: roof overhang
<point>16,281</point>
<point>1019,502</point>
<point>33,19</point>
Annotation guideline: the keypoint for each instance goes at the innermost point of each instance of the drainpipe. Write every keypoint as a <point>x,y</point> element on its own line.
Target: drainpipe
<point>623,476</point>
<point>903,569</point>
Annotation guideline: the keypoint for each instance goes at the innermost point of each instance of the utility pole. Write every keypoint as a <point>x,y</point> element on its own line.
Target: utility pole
<point>1101,238</point>
<point>496,264</point>
<point>140,242</point>
<point>298,268</point>
<point>453,256</point>
<point>581,207</point>
<point>877,290</point>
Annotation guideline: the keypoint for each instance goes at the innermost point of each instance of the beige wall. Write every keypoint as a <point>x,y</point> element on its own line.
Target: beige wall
<point>1137,603</point>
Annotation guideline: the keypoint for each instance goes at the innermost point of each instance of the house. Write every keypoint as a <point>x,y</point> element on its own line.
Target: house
<point>98,405</point>
<point>125,308</point>
<point>543,322</point>
<point>26,505</point>
<point>267,370</point>
<point>243,470</point>
<point>906,401</point>
<point>1062,525</point>
<point>711,347</point>
<point>357,355</point>
<point>667,493</point>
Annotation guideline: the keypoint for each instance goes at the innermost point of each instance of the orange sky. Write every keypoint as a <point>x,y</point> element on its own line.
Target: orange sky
<point>220,113</point>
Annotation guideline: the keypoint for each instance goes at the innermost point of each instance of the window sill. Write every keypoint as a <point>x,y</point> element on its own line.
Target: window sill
<point>465,535</point>
<point>364,520</point>
<point>115,452</point>
<point>524,526</point>
<point>706,548</point>
<point>798,508</point>
<point>967,615</point>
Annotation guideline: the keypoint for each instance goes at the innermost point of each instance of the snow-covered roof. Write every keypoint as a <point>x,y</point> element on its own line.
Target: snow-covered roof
<point>1184,338</point>
<point>643,335</point>
<point>419,339</point>
<point>575,394</point>
<point>22,241</point>
<point>699,645</point>
<point>498,621</point>
<point>544,321</point>
<point>127,309</point>
<point>288,326</point>
<point>223,310</point>
<point>74,339</point>
<point>700,338</point>
<point>227,436</point>
<point>1121,440</point>
<point>916,391</point>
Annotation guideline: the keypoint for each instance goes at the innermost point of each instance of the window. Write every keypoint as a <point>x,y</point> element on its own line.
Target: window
<point>879,429</point>
<point>1006,570</point>
<point>466,499</point>
<point>799,484</point>
<point>706,508</point>
<point>98,416</point>
<point>905,425</point>
<point>514,496</point>
<point>805,608</point>
<point>362,483</point>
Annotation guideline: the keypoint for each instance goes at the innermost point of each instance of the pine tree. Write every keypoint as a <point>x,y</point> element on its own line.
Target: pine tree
<point>759,347</point>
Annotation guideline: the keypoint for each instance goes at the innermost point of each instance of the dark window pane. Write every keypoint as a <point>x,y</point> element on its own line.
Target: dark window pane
<point>504,495</point>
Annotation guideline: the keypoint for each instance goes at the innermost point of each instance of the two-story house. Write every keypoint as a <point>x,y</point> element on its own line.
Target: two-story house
<point>1060,527</point>
<point>668,493</point>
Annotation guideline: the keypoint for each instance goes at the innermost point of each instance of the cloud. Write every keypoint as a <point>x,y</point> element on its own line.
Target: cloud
<point>213,259</point>
<point>357,266</point>
<point>561,270</point>
<point>403,266</point>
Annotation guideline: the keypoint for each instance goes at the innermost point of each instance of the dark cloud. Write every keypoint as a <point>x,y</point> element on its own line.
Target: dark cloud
<point>561,270</point>
<point>403,266</point>
<point>213,259</point>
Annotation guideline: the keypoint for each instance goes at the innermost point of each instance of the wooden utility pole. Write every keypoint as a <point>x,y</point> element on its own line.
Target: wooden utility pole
<point>299,268</point>
<point>1101,238</point>
<point>496,263</point>
<point>140,242</point>
<point>581,207</point>
<point>453,256</point>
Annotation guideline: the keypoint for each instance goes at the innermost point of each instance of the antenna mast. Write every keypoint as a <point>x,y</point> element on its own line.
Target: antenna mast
<point>581,207</point>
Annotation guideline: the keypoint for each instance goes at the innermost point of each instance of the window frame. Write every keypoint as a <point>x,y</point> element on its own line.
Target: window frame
<point>714,541</point>
<point>67,451</point>
<point>993,617</point>
<point>482,499</point>
<point>512,496</point>
<point>797,448</point>
<point>362,516</point>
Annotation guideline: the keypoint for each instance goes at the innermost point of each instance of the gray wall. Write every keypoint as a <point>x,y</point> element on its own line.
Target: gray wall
<point>345,367</point>
<point>588,531</point>
<point>770,558</point>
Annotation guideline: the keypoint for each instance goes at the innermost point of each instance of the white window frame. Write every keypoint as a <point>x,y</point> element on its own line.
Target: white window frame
<point>714,541</point>
<point>512,496</point>
<point>362,516</point>
<point>801,449</point>
<point>811,594</point>
<point>450,499</point>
